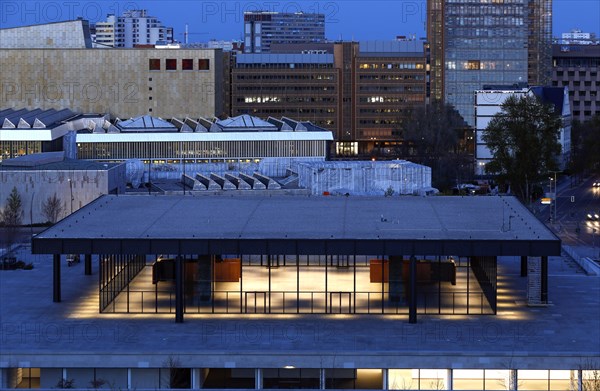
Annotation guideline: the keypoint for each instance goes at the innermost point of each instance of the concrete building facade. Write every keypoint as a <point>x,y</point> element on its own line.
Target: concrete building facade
<point>577,67</point>
<point>75,183</point>
<point>73,34</point>
<point>123,83</point>
<point>362,92</point>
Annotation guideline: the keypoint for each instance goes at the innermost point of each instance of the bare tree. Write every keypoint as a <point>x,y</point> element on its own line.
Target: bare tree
<point>52,208</point>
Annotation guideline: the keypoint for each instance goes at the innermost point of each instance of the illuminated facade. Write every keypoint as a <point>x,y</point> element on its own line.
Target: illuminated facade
<point>360,91</point>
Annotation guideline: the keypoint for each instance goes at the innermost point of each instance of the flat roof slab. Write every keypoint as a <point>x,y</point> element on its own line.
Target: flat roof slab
<point>301,225</point>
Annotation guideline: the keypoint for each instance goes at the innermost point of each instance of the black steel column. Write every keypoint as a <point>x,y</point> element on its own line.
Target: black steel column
<point>179,289</point>
<point>56,278</point>
<point>88,264</point>
<point>523,266</point>
<point>412,305</point>
<point>544,280</point>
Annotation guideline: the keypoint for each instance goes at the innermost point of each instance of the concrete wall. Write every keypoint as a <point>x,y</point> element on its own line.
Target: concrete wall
<point>114,81</point>
<point>35,187</point>
<point>64,35</point>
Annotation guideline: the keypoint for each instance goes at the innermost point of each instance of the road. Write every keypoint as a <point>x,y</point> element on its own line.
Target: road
<point>574,202</point>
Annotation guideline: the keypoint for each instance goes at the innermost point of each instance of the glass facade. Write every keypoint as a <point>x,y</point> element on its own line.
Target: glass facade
<point>200,149</point>
<point>485,44</point>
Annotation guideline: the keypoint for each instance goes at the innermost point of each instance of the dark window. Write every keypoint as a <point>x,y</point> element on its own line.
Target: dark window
<point>171,64</point>
<point>154,65</point>
<point>149,88</point>
<point>203,64</point>
<point>187,64</point>
<point>149,79</point>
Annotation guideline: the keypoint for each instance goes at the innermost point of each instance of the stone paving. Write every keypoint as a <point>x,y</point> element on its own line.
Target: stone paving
<point>563,335</point>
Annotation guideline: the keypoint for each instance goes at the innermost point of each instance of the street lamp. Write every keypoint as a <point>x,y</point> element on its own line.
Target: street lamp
<point>71,189</point>
<point>555,191</point>
<point>594,242</point>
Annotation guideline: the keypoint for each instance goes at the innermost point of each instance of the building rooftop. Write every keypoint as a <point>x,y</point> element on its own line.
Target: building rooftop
<point>34,119</point>
<point>52,161</point>
<point>366,225</point>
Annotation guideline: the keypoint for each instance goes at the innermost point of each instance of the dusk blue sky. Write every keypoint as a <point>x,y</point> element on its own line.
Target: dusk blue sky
<point>222,19</point>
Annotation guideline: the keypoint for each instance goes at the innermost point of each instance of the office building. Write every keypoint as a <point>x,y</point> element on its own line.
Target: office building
<point>134,27</point>
<point>489,103</point>
<point>577,67</point>
<point>263,28</point>
<point>360,91</point>
<point>476,44</point>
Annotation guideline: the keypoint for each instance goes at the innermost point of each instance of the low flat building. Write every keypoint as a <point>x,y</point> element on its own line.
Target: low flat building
<point>303,292</point>
<point>41,177</point>
<point>171,148</point>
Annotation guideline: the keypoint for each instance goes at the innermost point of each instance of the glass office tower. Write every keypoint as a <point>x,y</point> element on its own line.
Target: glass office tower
<point>487,42</point>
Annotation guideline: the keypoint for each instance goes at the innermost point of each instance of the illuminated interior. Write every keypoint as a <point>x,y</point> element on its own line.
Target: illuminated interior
<point>277,284</point>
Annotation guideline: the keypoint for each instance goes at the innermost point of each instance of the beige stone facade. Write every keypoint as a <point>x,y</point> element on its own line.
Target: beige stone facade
<point>184,82</point>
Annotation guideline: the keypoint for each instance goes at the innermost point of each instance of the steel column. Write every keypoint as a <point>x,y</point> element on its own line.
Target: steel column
<point>412,305</point>
<point>56,278</point>
<point>179,289</point>
<point>544,280</point>
<point>88,264</point>
<point>523,266</point>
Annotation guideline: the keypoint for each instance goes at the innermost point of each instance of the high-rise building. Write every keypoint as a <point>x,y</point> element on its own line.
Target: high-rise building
<point>134,27</point>
<point>539,47</point>
<point>262,28</point>
<point>496,42</point>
